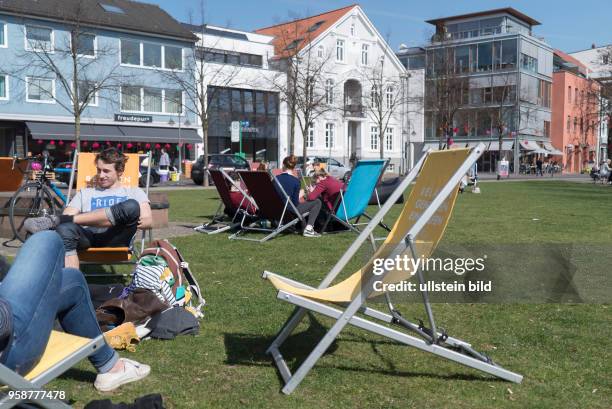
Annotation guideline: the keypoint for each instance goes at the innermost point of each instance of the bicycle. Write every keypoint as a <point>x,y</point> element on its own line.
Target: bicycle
<point>35,198</point>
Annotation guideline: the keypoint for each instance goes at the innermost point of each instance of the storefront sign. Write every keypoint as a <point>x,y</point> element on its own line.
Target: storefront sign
<point>133,118</point>
<point>504,168</point>
<point>235,129</point>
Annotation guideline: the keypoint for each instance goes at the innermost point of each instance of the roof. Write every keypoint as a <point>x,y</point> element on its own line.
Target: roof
<point>570,59</point>
<point>293,36</point>
<point>509,10</point>
<point>122,14</point>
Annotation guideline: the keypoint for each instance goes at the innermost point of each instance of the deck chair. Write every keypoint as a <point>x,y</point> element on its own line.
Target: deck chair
<point>12,174</point>
<point>280,212</point>
<point>351,204</point>
<point>63,352</point>
<point>416,233</point>
<point>86,171</point>
<point>246,209</point>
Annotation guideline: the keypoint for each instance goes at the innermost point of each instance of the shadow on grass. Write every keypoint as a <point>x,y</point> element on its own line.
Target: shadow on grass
<point>250,350</point>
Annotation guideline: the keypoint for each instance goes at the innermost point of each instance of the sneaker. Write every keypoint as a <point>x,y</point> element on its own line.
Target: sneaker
<point>310,233</point>
<point>133,371</point>
<point>36,224</point>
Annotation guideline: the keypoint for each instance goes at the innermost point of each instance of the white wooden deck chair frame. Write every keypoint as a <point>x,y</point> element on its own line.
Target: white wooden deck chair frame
<point>16,382</point>
<point>438,344</point>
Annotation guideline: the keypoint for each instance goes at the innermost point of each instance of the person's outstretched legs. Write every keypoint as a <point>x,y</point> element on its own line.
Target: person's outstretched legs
<point>32,288</point>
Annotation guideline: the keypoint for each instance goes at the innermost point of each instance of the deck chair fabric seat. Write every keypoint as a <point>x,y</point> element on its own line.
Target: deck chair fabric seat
<point>273,205</point>
<point>352,203</point>
<point>85,177</point>
<point>416,232</point>
<point>245,208</point>
<point>62,352</point>
<point>12,174</point>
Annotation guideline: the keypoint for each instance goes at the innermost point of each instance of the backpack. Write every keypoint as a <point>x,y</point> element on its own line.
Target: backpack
<point>162,267</point>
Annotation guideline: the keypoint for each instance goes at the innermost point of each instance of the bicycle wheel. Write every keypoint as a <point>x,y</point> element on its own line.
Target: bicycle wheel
<point>31,200</point>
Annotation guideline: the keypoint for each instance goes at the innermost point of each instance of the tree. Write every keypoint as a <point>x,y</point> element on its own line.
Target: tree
<point>75,62</point>
<point>385,99</point>
<point>201,79</point>
<point>446,90</point>
<point>301,81</point>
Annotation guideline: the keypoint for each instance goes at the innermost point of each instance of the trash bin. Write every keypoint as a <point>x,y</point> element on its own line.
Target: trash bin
<point>163,175</point>
<point>187,165</point>
<point>174,176</point>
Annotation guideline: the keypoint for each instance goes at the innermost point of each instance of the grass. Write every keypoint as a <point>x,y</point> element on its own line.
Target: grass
<point>560,348</point>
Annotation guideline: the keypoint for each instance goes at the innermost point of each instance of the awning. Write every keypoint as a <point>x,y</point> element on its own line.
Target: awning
<point>167,135</point>
<point>530,145</point>
<point>506,146</point>
<point>89,132</point>
<point>551,149</point>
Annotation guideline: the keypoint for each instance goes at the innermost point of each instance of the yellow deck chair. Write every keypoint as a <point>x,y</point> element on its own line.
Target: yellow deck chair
<point>416,233</point>
<point>85,177</point>
<point>63,351</point>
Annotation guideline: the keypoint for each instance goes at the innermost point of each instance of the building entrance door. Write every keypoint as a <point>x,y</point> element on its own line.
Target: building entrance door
<point>354,141</point>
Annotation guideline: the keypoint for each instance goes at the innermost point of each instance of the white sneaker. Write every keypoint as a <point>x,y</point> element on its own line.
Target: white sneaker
<point>133,371</point>
<point>310,233</point>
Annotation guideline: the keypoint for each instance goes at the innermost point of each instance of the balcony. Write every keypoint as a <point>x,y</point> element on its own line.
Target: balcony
<point>354,110</point>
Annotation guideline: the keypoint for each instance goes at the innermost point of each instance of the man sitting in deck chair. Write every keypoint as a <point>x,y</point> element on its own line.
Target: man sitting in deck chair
<point>35,292</point>
<point>291,186</point>
<point>106,215</point>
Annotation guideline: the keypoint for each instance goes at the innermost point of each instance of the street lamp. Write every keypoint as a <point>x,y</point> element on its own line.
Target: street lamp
<point>180,147</point>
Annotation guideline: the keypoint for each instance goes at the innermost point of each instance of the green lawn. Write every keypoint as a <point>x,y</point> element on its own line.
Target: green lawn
<point>562,349</point>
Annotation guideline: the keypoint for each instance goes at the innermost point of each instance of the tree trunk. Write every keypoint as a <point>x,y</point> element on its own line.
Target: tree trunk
<point>292,131</point>
<point>381,138</point>
<point>304,150</point>
<point>204,120</point>
<point>77,131</point>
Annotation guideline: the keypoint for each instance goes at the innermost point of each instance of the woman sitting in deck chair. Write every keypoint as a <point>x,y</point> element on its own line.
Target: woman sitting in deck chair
<point>291,186</point>
<point>35,291</point>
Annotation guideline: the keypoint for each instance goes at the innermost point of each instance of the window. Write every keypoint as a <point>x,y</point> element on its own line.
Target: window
<point>374,138</point>
<point>292,45</point>
<point>87,93</point>
<point>40,90</point>
<point>575,124</point>
<point>320,51</point>
<point>569,94</point>
<point>315,26</point>
<point>130,99</point>
<point>3,34</point>
<point>173,101</point>
<point>389,97</point>
<point>110,8</point>
<point>352,29</point>
<point>39,38</point>
<point>374,96</point>
<point>569,124</point>
<point>485,56</point>
<point>547,129</point>
<point>575,96</point>
<point>329,91</point>
<point>339,50</point>
<point>545,93</point>
<point>310,138</point>
<point>330,136</point>
<point>364,54</point>
<point>4,87</point>
<point>529,63</point>
<point>605,59</point>
<point>462,59</point>
<point>227,57</point>
<point>389,139</point>
<point>151,55</point>
<point>508,57</point>
<point>86,44</point>
<point>173,58</point>
<point>130,52</point>
<point>152,100</point>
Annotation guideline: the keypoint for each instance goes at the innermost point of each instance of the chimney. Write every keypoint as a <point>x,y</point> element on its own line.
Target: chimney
<point>593,46</point>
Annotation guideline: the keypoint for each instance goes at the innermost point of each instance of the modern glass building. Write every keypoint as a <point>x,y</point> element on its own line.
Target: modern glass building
<point>507,77</point>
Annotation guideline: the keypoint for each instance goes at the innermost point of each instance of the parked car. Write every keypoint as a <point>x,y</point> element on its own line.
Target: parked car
<point>228,163</point>
<point>334,168</point>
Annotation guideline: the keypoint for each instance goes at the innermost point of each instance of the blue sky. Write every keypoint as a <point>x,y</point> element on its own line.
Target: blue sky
<point>566,25</point>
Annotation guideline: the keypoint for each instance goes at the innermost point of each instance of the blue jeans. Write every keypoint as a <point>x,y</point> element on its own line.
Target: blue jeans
<point>39,289</point>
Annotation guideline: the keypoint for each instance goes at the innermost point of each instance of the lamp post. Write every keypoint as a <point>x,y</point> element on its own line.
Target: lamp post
<point>180,147</point>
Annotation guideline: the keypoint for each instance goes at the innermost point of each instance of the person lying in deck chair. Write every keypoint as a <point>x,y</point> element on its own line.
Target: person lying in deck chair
<point>106,215</point>
<point>291,186</point>
<point>34,292</point>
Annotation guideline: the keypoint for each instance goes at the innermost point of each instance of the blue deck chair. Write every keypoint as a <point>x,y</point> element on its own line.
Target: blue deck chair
<point>351,204</point>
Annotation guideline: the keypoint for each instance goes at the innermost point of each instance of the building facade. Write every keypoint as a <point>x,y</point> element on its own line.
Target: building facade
<point>575,114</point>
<point>499,78</point>
<point>123,52</point>
<point>240,85</point>
<point>598,61</point>
<point>358,68</point>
